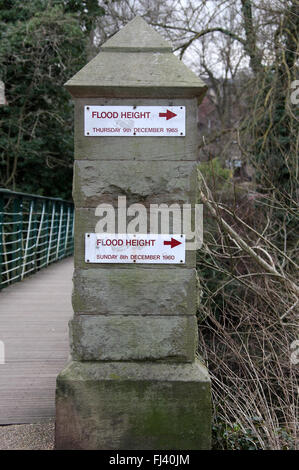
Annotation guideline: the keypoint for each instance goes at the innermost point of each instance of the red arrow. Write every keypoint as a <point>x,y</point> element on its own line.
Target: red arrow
<point>173,242</point>
<point>168,115</point>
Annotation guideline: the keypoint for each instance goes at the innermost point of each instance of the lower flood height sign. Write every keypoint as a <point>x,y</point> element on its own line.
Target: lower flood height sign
<point>138,121</point>
<point>134,248</point>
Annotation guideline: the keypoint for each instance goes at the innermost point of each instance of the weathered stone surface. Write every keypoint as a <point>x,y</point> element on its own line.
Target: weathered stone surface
<point>135,36</point>
<point>143,148</point>
<point>119,71</point>
<point>132,337</point>
<point>147,183</point>
<point>145,389</point>
<point>133,406</point>
<point>135,292</point>
<point>86,221</point>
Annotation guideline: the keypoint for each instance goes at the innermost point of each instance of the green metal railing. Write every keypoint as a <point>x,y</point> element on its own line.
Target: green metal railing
<point>34,232</point>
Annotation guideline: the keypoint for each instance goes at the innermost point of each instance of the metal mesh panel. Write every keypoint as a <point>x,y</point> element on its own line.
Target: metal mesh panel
<point>34,232</point>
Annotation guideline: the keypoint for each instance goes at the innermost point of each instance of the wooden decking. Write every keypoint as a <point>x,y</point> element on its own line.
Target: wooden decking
<point>34,318</point>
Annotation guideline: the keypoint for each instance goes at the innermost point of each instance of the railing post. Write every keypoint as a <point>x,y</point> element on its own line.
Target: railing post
<point>47,231</point>
<point>51,232</point>
<point>59,230</point>
<point>17,245</point>
<point>39,235</point>
<point>27,247</point>
<point>34,231</point>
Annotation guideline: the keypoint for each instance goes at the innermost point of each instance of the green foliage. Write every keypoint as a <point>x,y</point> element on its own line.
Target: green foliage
<point>235,437</point>
<point>42,44</point>
<point>88,11</point>
<point>232,437</point>
<point>12,11</point>
<point>214,174</point>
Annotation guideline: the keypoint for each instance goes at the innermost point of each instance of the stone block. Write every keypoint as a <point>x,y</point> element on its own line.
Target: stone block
<point>142,148</point>
<point>86,221</point>
<point>131,337</point>
<point>135,291</point>
<point>98,182</point>
<point>133,406</point>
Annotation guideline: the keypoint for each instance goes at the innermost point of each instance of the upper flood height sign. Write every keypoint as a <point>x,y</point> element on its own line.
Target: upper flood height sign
<point>138,121</point>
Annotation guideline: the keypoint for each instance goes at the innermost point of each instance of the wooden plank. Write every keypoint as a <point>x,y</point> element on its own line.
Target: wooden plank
<point>34,318</point>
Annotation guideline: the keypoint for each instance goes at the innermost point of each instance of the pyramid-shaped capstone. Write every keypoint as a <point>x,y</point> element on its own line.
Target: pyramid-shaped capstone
<point>136,62</point>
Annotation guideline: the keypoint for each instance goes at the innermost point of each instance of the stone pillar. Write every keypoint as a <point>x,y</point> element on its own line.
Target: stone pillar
<point>134,381</point>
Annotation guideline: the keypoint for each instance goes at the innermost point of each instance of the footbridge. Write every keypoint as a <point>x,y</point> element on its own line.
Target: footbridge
<point>36,265</point>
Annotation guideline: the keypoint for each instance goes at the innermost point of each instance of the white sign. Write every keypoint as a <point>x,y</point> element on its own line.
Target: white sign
<point>136,121</point>
<point>134,248</point>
